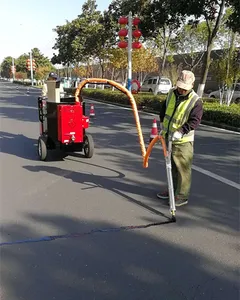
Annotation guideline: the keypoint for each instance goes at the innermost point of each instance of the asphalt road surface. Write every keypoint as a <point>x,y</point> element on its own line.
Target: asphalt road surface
<point>84,202</point>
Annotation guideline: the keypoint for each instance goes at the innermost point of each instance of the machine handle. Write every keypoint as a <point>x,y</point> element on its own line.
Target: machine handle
<point>41,115</point>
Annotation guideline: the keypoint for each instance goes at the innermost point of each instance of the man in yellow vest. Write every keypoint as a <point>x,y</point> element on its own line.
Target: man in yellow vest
<point>180,116</point>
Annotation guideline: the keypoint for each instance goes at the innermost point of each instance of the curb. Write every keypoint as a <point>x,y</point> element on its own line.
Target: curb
<point>204,122</point>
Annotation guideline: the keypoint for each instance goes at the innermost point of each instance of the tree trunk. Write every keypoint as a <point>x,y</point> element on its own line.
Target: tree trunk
<point>206,63</point>
<point>164,60</point>
<point>102,68</point>
<point>207,57</point>
<point>164,51</point>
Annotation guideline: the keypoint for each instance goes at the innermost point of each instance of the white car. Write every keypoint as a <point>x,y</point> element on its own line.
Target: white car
<point>236,94</point>
<point>156,85</point>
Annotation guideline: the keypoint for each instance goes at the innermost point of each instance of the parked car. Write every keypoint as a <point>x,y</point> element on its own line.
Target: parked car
<point>236,94</point>
<point>156,85</point>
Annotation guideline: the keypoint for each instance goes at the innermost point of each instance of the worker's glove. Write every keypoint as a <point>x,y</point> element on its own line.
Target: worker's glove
<point>177,136</point>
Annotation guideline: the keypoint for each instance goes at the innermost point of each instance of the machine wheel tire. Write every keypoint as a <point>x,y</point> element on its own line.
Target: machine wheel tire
<point>42,148</point>
<point>88,146</point>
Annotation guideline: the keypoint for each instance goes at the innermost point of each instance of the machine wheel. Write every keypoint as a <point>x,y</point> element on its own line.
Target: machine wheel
<point>88,146</point>
<point>42,148</point>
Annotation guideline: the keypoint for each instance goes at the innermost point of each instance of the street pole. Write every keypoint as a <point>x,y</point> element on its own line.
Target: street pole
<point>31,64</point>
<point>129,51</point>
<point>13,69</point>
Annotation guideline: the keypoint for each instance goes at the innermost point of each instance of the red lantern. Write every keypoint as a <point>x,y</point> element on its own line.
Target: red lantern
<point>122,44</point>
<point>136,45</point>
<point>137,33</point>
<point>123,20</point>
<point>136,21</point>
<point>123,32</point>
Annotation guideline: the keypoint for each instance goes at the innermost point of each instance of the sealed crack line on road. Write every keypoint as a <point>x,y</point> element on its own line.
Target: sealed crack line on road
<point>79,235</point>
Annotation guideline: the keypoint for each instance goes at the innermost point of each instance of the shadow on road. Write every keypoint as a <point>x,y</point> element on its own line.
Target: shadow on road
<point>18,145</point>
<point>109,265</point>
<point>110,183</point>
<point>18,113</point>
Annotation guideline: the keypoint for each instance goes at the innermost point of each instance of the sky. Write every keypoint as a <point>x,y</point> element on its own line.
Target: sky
<point>26,24</point>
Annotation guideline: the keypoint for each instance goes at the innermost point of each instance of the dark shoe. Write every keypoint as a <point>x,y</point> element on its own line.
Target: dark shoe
<point>180,201</point>
<point>163,196</point>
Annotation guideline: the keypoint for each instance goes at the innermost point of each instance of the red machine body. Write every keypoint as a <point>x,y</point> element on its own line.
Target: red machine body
<point>71,123</point>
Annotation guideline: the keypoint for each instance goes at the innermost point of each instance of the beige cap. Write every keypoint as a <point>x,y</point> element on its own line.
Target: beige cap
<point>185,80</point>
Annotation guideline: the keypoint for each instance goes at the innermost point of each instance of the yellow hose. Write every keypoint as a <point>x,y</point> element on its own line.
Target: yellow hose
<point>132,101</point>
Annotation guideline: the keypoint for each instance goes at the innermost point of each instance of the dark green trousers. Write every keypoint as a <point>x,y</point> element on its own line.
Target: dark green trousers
<point>182,156</point>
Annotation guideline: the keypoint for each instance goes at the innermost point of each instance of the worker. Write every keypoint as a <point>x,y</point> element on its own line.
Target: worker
<point>180,116</point>
<point>52,77</point>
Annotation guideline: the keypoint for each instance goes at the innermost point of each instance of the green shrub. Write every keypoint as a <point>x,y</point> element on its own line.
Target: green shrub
<point>222,114</point>
<point>22,82</point>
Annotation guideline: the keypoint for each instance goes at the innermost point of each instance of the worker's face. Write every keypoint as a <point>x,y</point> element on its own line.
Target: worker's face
<point>52,78</point>
<point>182,91</point>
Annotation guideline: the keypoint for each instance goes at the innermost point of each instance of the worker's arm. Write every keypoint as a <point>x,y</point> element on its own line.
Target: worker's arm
<point>162,111</point>
<point>194,119</point>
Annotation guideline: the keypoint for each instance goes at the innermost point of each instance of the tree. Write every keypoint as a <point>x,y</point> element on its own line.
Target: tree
<point>118,60</point>
<point>63,44</point>
<point>104,39</point>
<point>87,38</point>
<point>21,63</point>
<point>158,22</point>
<point>143,62</point>
<point>6,67</point>
<point>226,70</point>
<point>212,11</point>
<point>191,43</point>
<point>172,72</point>
<point>40,59</point>
<point>21,75</point>
<point>42,72</point>
<point>80,71</point>
<point>42,63</point>
<point>233,21</point>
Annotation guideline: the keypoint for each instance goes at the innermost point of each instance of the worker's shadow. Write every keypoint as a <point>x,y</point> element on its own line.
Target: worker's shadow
<point>111,183</point>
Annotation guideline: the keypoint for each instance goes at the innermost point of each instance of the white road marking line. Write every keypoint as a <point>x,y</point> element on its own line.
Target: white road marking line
<point>217,177</point>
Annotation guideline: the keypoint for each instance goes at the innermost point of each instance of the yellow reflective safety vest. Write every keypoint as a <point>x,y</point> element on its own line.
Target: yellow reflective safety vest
<point>176,116</point>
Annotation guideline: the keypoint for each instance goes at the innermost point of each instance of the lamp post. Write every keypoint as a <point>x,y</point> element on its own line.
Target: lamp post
<point>136,34</point>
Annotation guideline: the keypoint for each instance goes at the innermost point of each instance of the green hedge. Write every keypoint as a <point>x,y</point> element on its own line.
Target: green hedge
<point>214,113</point>
<point>222,114</point>
<point>22,82</point>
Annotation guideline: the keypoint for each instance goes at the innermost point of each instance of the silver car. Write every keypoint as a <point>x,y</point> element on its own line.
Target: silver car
<point>236,94</point>
<point>156,85</point>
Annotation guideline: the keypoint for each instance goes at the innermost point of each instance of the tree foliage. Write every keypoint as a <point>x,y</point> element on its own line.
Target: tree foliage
<point>91,37</point>
<point>191,43</point>
<point>6,67</point>
<point>226,69</point>
<point>86,38</point>
<point>42,63</point>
